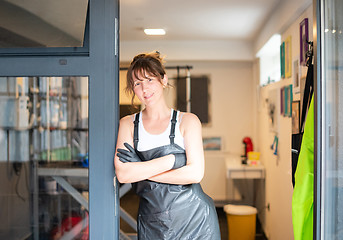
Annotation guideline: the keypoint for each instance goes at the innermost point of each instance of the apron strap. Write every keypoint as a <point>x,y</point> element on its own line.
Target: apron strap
<point>172,128</point>
<point>135,131</point>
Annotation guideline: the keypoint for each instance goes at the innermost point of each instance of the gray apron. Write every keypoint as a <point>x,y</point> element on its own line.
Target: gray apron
<point>170,211</point>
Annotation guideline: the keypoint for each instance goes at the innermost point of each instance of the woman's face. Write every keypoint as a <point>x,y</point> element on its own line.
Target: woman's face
<point>149,88</point>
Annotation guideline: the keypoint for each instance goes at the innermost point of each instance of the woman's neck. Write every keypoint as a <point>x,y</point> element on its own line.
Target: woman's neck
<point>156,112</point>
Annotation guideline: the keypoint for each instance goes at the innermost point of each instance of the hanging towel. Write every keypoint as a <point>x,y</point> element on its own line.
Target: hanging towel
<point>302,202</point>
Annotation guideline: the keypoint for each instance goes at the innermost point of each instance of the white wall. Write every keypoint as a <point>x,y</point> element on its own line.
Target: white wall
<point>235,50</point>
<point>284,15</point>
<point>231,115</point>
<point>231,84</point>
<point>277,222</point>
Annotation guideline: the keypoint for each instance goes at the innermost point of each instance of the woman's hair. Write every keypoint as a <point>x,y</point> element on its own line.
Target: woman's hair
<point>141,65</point>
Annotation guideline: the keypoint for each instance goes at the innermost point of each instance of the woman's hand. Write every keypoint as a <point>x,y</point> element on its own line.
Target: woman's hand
<point>180,160</point>
<point>128,156</point>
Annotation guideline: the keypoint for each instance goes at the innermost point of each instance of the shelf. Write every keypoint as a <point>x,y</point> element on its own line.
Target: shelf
<point>63,172</point>
<point>15,129</point>
<point>45,128</point>
<point>80,129</point>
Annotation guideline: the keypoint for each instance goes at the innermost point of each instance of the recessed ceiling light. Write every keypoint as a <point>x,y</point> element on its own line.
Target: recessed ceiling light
<point>154,31</point>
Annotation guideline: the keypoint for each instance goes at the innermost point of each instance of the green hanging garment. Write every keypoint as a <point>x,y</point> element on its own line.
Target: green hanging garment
<point>302,202</point>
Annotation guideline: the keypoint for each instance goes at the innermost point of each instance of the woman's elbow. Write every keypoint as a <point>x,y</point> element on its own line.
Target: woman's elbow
<point>121,175</point>
<point>124,174</point>
<point>198,176</point>
<point>198,179</point>
<point>122,178</point>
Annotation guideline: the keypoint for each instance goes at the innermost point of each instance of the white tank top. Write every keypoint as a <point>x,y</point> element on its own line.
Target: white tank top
<point>147,141</point>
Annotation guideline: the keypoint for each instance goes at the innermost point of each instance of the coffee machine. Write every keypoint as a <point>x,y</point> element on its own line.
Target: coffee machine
<point>248,147</point>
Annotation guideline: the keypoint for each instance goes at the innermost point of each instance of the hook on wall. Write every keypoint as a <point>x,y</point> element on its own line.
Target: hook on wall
<point>309,53</point>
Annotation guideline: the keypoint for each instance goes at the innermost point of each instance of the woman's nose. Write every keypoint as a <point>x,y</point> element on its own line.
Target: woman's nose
<point>144,86</point>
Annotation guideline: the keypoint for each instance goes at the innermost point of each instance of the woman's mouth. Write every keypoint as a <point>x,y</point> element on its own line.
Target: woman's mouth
<point>148,96</point>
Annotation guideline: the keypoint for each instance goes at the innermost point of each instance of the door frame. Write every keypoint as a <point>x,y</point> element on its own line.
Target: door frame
<point>99,61</point>
<point>317,97</point>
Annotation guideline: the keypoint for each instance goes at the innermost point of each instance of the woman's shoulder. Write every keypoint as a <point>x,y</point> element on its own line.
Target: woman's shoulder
<point>127,120</point>
<point>189,124</point>
<point>189,119</point>
<point>189,116</point>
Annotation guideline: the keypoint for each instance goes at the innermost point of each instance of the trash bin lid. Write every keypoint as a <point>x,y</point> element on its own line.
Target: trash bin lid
<point>239,209</point>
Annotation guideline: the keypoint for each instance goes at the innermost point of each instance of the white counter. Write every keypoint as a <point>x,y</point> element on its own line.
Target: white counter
<point>236,170</point>
<point>225,177</point>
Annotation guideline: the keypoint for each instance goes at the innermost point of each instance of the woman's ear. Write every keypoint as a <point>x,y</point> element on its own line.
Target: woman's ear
<point>165,80</point>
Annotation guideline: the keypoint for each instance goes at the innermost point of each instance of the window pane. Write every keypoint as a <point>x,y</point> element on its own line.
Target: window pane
<point>42,23</point>
<point>44,157</point>
<point>332,165</point>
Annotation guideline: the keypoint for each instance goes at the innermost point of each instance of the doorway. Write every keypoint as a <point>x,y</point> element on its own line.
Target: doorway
<point>67,112</point>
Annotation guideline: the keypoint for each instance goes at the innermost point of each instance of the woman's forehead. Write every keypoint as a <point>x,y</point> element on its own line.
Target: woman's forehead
<point>141,74</point>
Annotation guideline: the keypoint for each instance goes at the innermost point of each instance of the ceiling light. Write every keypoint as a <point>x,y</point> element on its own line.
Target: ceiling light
<point>154,31</point>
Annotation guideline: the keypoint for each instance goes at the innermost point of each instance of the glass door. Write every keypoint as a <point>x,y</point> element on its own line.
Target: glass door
<point>44,157</point>
<point>330,120</point>
<point>59,107</point>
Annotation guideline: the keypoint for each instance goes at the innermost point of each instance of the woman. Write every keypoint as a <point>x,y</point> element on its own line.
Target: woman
<point>160,152</point>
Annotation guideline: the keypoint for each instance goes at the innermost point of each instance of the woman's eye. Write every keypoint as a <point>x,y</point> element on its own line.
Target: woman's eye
<point>136,84</point>
<point>150,79</point>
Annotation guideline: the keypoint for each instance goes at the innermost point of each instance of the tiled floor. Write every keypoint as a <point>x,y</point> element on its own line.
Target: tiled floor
<point>130,203</point>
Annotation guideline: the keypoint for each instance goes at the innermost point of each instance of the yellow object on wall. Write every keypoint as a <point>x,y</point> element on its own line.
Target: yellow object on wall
<point>124,97</point>
<point>288,57</point>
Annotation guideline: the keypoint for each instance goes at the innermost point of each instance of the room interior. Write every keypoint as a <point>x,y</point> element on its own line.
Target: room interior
<point>232,63</point>
<point>222,41</point>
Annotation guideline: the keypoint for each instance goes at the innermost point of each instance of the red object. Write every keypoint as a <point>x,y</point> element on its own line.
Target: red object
<point>248,145</point>
<point>67,224</point>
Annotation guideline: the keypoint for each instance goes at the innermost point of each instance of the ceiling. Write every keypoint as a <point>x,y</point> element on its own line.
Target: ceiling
<point>194,19</point>
<point>196,29</point>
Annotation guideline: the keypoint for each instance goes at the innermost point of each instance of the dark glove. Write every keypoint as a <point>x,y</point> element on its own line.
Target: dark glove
<point>128,156</point>
<point>180,160</point>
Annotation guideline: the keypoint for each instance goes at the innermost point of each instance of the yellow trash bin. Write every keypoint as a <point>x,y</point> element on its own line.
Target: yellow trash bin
<point>241,221</point>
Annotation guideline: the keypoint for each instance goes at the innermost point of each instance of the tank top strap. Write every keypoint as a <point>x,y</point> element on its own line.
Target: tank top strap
<point>172,127</point>
<point>135,131</point>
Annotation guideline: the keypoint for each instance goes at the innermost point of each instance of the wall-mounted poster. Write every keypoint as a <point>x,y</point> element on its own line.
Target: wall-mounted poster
<point>285,101</point>
<point>288,98</point>
<point>212,143</point>
<point>295,117</point>
<point>282,59</point>
<point>296,77</point>
<point>288,57</point>
<point>303,41</point>
<point>282,101</point>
